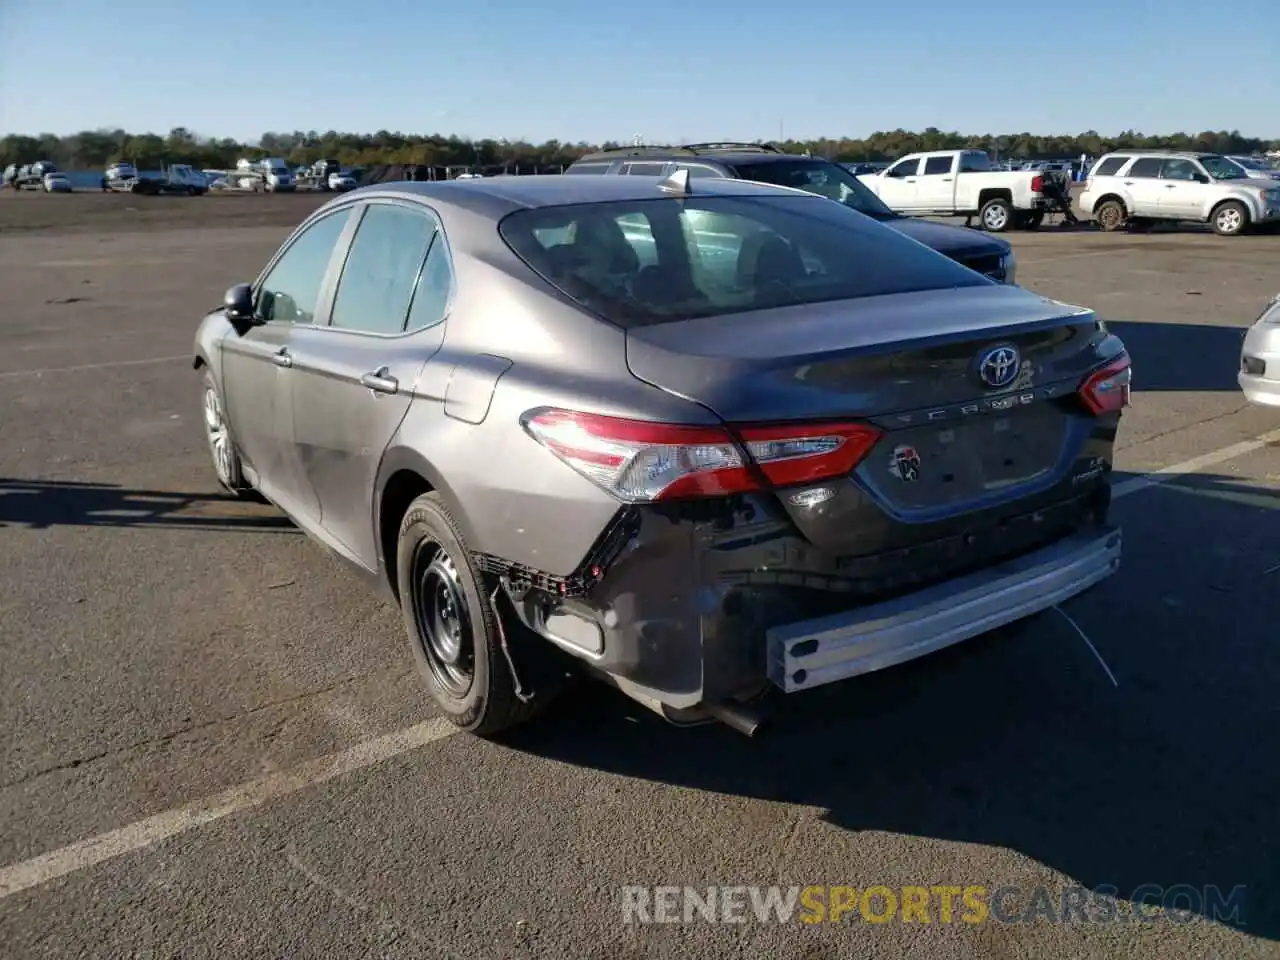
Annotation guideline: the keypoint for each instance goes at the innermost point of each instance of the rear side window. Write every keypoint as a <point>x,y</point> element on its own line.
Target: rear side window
<point>1145,167</point>
<point>381,271</point>
<point>934,166</point>
<point>588,168</point>
<point>644,169</point>
<point>659,260</point>
<point>1109,166</point>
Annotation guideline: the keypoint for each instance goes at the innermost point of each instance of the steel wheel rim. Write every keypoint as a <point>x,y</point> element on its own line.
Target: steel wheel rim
<point>1110,216</point>
<point>995,218</point>
<point>219,439</point>
<point>440,614</point>
<point>1229,220</point>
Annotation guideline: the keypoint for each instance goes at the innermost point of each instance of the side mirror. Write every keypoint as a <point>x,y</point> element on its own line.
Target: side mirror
<point>237,304</point>
<point>1201,178</point>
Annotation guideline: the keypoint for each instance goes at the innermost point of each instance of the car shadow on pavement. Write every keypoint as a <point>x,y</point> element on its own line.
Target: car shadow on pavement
<point>1020,741</point>
<point>40,504</point>
<point>1182,357</point>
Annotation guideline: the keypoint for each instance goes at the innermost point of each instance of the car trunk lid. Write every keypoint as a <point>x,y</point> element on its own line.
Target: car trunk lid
<point>910,364</point>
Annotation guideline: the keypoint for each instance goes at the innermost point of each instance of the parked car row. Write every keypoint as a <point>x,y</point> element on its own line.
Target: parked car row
<point>990,256</point>
<point>697,436</point>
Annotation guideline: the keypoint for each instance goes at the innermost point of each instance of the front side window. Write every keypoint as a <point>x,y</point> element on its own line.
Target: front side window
<point>291,290</point>
<point>906,168</point>
<point>659,260</point>
<point>1220,168</point>
<point>378,279</point>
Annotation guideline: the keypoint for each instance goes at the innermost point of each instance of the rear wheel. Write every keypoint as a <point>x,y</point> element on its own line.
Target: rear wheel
<point>1229,219</point>
<point>996,215</point>
<point>1111,215</point>
<point>454,633</point>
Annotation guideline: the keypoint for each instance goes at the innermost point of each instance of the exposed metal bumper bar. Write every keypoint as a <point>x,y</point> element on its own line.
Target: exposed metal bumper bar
<point>820,651</point>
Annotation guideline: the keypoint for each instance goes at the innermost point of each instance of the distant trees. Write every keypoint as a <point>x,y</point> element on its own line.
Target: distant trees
<point>91,149</point>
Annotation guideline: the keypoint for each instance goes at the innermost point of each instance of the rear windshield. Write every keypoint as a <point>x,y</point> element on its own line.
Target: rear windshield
<point>658,260</point>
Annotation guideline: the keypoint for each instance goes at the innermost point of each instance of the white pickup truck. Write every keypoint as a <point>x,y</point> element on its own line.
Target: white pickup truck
<point>961,183</point>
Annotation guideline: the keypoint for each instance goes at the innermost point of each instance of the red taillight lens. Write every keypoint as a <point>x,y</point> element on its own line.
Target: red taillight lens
<point>1107,390</point>
<point>638,461</point>
<point>1037,184</point>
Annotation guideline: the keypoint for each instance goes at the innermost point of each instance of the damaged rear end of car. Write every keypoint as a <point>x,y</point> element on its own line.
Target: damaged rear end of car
<point>894,467</point>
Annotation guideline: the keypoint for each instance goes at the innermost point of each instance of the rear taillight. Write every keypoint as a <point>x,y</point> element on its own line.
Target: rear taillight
<point>1037,184</point>
<point>639,461</point>
<point>1107,390</point>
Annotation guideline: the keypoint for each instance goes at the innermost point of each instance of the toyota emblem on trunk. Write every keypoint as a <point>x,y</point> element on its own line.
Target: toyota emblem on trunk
<point>998,367</point>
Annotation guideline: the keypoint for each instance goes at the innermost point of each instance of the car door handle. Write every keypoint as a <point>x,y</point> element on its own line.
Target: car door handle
<point>1170,186</point>
<point>946,179</point>
<point>381,381</point>
<point>911,179</point>
<point>281,358</point>
<point>1128,183</point>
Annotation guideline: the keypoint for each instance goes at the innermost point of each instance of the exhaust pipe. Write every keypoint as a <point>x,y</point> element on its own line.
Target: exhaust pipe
<point>738,716</point>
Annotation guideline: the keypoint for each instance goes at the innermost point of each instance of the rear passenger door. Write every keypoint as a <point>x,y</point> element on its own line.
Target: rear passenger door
<point>1142,183</point>
<point>354,379</point>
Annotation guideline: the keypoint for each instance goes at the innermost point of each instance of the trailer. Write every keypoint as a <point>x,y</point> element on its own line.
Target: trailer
<point>174,178</point>
<point>271,175</point>
<point>28,176</point>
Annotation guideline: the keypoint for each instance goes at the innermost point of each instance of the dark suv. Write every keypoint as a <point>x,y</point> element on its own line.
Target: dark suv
<point>765,163</point>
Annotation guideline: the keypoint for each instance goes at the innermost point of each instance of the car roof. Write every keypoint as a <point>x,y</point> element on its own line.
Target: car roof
<point>498,196</point>
<point>702,153</point>
<point>1162,153</point>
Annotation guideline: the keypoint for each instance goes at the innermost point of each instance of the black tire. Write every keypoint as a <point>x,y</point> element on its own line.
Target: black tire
<point>1229,219</point>
<point>226,461</point>
<point>467,671</point>
<point>1111,215</point>
<point>997,215</point>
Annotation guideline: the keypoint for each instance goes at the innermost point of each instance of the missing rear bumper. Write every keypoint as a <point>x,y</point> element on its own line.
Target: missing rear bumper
<point>815,652</point>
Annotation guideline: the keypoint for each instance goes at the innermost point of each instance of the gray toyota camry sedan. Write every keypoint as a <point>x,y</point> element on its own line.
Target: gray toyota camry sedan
<point>702,439</point>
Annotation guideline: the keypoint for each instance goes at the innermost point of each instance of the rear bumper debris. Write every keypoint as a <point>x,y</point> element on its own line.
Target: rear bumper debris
<point>820,651</point>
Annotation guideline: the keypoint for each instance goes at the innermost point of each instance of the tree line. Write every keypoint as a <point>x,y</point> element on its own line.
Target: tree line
<point>92,149</point>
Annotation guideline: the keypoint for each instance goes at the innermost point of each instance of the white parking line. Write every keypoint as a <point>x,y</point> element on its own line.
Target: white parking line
<point>145,833</point>
<point>162,826</point>
<point>1213,457</point>
<point>92,366</point>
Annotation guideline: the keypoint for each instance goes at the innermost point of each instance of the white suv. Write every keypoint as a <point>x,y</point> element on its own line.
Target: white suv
<point>1158,185</point>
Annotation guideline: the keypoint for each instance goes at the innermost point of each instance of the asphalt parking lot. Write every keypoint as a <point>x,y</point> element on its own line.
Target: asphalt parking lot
<point>217,746</point>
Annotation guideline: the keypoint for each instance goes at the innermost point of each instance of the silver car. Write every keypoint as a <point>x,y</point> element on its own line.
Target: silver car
<point>699,439</point>
<point>1259,375</point>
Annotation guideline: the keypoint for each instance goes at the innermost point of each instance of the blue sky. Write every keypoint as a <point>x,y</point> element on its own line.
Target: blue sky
<point>669,70</point>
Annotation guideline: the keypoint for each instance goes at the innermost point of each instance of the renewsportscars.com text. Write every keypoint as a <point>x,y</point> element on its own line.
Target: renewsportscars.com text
<point>934,904</point>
